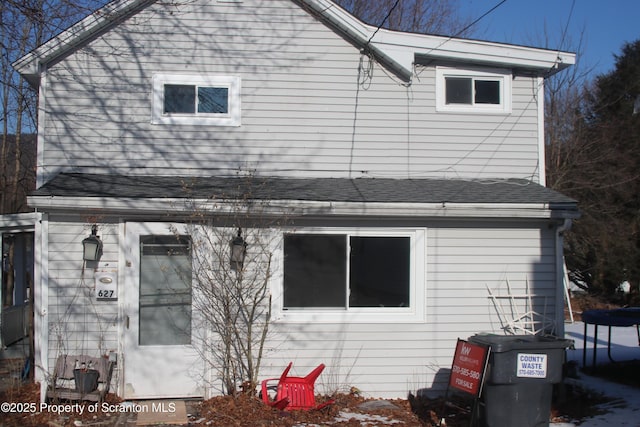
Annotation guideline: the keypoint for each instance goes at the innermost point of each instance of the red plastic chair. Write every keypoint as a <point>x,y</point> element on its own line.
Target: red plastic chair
<point>294,393</point>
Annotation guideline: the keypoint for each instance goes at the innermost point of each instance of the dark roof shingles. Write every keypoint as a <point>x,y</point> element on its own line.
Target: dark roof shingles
<point>311,189</point>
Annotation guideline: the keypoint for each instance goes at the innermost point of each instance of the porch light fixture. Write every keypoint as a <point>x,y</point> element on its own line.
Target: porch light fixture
<point>92,246</point>
<point>238,251</point>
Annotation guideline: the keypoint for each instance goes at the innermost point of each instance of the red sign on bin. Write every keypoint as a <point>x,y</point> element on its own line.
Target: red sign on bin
<point>469,363</point>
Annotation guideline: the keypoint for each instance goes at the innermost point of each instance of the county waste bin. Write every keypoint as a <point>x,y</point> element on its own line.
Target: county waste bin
<point>519,380</point>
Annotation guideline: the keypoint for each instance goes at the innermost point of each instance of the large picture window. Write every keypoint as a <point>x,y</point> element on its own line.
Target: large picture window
<point>482,91</point>
<point>355,273</point>
<point>192,99</point>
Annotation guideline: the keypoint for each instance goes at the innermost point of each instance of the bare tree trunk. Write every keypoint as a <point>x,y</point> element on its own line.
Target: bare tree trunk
<point>24,25</point>
<point>6,72</point>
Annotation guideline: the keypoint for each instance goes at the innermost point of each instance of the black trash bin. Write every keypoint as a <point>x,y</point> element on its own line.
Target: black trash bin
<point>519,379</point>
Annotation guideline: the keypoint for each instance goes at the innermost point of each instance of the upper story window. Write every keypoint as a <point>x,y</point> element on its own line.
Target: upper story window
<point>349,275</point>
<point>196,100</point>
<point>466,90</point>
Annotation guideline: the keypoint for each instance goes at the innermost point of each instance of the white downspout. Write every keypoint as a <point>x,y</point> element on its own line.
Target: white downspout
<point>41,304</point>
<point>542,163</point>
<point>559,306</point>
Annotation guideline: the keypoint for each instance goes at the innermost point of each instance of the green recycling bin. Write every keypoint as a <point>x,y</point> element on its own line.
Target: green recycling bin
<point>519,380</point>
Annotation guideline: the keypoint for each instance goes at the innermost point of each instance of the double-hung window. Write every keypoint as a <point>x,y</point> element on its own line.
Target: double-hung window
<point>195,99</point>
<point>465,90</point>
<point>367,275</point>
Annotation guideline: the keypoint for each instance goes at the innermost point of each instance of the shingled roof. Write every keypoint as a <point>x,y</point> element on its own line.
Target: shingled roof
<point>362,190</point>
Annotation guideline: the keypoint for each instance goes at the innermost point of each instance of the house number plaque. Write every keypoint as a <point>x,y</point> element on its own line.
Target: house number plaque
<point>106,285</point>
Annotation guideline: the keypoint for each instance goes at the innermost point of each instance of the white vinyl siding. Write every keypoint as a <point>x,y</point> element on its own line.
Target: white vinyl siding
<point>77,322</point>
<point>303,111</point>
<point>383,359</point>
<point>391,359</point>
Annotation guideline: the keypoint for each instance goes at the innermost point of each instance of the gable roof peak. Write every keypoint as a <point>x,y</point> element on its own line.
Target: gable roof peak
<point>397,50</point>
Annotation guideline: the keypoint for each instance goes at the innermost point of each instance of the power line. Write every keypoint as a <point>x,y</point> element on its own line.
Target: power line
<point>566,26</point>
<point>480,18</point>
<point>383,22</point>
<point>467,27</point>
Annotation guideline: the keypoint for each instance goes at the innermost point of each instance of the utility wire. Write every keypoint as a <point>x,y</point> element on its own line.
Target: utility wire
<point>383,22</point>
<point>479,19</point>
<point>562,40</point>
<point>467,27</point>
<point>566,26</point>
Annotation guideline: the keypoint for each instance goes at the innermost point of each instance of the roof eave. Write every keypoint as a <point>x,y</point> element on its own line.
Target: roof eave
<point>32,64</point>
<point>19,221</point>
<point>305,208</point>
<point>540,61</point>
<point>401,50</point>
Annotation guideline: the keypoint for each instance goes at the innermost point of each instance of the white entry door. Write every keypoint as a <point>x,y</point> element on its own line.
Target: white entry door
<point>160,360</point>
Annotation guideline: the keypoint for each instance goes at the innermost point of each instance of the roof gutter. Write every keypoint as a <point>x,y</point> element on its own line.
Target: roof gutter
<point>303,208</point>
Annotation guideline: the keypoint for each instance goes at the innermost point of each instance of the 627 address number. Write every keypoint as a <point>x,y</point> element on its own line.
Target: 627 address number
<point>106,293</point>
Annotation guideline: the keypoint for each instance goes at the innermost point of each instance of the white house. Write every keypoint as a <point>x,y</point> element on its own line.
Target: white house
<point>410,168</point>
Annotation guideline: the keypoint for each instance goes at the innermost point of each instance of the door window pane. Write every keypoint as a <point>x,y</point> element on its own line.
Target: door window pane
<point>165,290</point>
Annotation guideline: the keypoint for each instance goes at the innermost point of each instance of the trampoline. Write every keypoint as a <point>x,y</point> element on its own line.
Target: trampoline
<point>623,317</point>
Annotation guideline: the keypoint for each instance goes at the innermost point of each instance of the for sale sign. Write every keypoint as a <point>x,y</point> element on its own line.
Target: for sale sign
<point>469,364</point>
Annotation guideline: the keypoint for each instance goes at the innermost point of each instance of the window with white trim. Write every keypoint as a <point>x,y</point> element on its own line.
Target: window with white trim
<point>196,100</point>
<point>367,275</point>
<point>466,90</point>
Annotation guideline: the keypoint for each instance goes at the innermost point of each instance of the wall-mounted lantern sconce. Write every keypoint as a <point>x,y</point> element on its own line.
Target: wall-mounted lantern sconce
<point>238,251</point>
<point>92,246</point>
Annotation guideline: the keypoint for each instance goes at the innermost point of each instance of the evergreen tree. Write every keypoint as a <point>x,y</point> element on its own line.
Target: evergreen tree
<point>604,245</point>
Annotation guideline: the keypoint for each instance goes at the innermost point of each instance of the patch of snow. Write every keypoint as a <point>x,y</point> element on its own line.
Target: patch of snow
<point>365,419</point>
<point>624,410</point>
